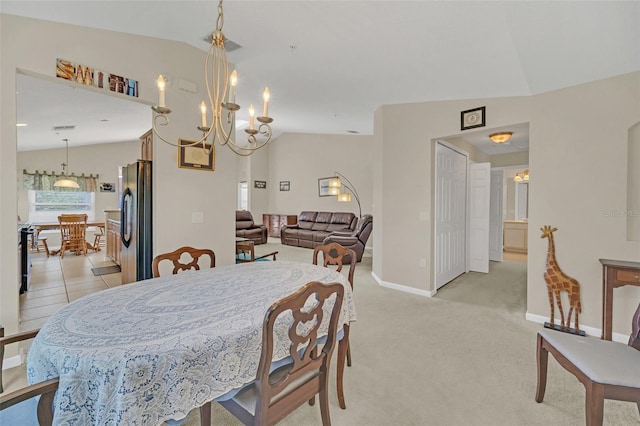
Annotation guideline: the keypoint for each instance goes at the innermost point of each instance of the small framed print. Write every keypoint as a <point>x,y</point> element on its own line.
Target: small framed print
<point>195,156</point>
<point>107,187</point>
<point>285,185</point>
<point>323,187</point>
<point>260,184</point>
<point>472,118</point>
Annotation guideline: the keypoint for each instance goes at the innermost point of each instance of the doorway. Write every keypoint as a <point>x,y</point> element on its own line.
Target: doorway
<point>479,148</point>
<point>102,139</point>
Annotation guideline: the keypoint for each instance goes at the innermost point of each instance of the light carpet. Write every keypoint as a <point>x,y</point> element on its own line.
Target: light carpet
<point>464,357</point>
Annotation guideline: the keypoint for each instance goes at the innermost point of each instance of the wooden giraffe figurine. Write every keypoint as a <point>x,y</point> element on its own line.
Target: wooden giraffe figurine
<point>557,281</point>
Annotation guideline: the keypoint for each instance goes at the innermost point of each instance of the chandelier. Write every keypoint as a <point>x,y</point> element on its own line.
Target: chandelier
<point>65,182</point>
<point>221,93</point>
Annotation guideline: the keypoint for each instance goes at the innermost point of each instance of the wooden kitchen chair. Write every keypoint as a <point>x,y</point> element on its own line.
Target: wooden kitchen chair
<point>73,230</point>
<point>608,370</point>
<point>176,255</point>
<point>334,254</point>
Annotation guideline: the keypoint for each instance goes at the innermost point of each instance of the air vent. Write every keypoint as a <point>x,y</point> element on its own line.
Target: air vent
<point>229,45</point>
<point>62,128</point>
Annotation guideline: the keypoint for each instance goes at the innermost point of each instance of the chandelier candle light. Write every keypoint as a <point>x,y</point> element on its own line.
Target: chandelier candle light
<point>335,186</point>
<point>222,97</point>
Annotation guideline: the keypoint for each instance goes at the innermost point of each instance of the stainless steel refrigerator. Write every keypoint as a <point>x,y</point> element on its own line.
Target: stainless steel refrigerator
<point>136,222</point>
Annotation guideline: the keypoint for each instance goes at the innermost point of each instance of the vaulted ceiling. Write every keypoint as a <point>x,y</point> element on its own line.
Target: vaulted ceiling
<point>331,64</point>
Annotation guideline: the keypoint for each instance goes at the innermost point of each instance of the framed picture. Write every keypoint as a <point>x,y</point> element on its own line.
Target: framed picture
<point>260,184</point>
<point>472,118</point>
<point>323,187</point>
<point>196,157</point>
<point>107,187</point>
<point>285,185</point>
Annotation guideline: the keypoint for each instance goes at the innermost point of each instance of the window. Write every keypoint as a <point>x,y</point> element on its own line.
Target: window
<point>243,196</point>
<point>46,206</point>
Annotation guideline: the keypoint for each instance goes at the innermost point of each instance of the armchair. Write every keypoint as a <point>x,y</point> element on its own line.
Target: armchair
<point>246,228</point>
<point>356,240</point>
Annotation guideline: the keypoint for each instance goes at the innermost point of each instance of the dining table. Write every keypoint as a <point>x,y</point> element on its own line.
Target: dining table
<point>41,226</point>
<point>151,351</point>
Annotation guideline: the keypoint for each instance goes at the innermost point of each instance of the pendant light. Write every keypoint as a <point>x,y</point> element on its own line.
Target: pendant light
<point>65,182</point>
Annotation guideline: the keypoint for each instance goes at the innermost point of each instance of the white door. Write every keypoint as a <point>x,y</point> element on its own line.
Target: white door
<point>451,196</point>
<point>479,200</point>
<point>496,209</point>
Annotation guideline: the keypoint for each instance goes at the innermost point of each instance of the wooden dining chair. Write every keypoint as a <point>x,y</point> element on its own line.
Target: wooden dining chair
<point>7,340</point>
<point>73,230</point>
<point>274,395</point>
<point>335,254</point>
<point>176,257</point>
<point>608,370</point>
<point>22,407</point>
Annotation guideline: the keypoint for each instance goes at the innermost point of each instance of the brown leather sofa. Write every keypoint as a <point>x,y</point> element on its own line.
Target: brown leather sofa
<point>356,240</point>
<point>246,228</point>
<point>313,227</point>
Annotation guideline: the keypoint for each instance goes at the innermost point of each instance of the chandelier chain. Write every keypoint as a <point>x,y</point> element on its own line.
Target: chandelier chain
<point>220,21</point>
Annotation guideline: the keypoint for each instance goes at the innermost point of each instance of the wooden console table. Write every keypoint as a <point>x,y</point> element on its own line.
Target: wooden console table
<point>615,273</point>
<point>274,222</point>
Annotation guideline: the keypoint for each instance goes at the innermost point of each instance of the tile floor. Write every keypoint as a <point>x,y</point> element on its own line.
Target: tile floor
<point>56,281</point>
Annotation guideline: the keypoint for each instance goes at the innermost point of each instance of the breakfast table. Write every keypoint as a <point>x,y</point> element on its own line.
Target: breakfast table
<point>152,351</point>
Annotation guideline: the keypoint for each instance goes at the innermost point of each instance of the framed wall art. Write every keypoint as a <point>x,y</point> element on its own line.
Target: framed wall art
<point>323,187</point>
<point>195,156</point>
<point>260,184</point>
<point>472,118</point>
<point>285,185</point>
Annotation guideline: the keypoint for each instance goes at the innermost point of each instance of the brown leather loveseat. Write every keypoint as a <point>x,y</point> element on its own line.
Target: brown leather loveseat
<point>313,227</point>
<point>246,228</point>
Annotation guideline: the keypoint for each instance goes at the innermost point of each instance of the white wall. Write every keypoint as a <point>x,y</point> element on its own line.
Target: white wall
<point>580,132</point>
<point>304,158</point>
<point>34,45</point>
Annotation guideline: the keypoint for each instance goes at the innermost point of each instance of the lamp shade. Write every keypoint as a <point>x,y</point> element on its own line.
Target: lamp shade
<point>335,182</point>
<point>66,183</point>
<point>344,197</point>
<point>334,190</point>
<point>500,137</point>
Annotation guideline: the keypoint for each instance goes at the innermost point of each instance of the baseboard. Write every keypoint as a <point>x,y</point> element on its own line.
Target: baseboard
<point>591,331</point>
<point>12,362</point>
<point>403,288</point>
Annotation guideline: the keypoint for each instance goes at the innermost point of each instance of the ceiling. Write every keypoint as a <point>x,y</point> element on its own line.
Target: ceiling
<point>331,64</point>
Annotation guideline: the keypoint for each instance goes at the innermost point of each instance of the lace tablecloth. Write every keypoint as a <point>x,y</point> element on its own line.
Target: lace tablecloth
<point>154,350</point>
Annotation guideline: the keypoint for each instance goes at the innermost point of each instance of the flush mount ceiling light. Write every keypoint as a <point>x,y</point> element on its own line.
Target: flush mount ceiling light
<point>221,93</point>
<point>500,137</point>
<point>65,182</point>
